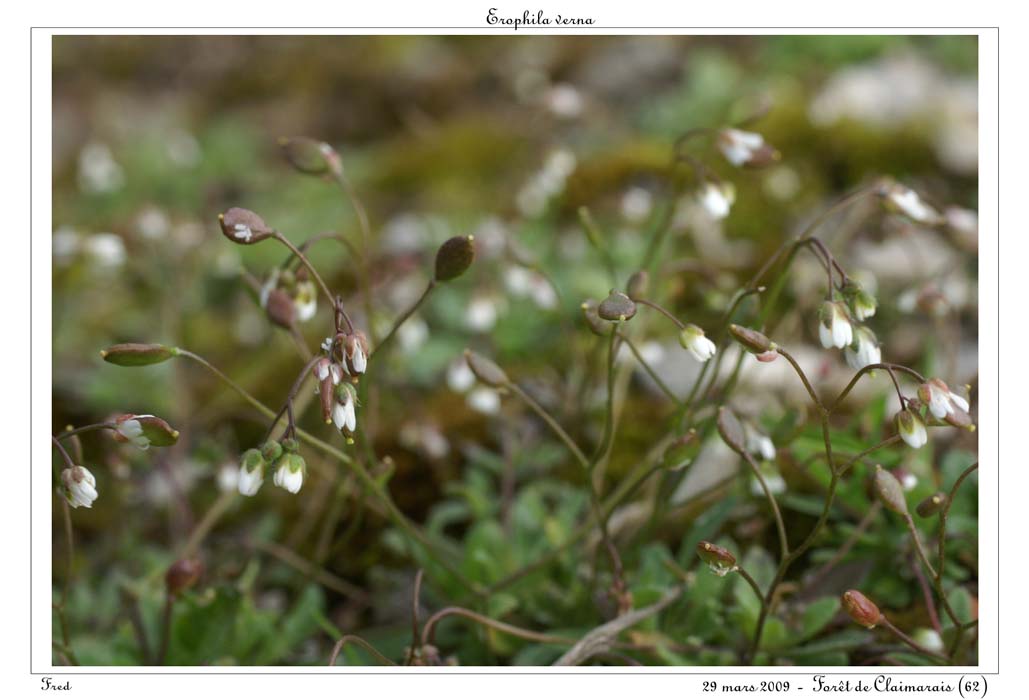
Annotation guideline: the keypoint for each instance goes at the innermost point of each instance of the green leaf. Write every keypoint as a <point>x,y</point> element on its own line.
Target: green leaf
<point>816,616</point>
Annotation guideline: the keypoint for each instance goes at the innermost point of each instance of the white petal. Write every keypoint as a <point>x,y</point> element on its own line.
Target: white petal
<point>959,401</point>
<point>825,336</point>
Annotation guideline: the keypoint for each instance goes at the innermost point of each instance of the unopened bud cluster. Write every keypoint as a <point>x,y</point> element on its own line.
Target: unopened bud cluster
<point>282,458</point>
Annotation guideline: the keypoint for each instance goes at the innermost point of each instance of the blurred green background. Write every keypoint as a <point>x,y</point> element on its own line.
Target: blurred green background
<point>155,135</point>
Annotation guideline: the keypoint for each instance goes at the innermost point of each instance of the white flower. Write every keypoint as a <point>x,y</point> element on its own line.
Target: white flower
<point>740,147</point>
<point>907,202</point>
<point>358,360</point>
<point>484,400</point>
<point>227,477</point>
<point>692,338</point>
<point>717,199</point>
<point>251,473</point>
<point>911,429</point>
<point>290,474</point>
<point>928,638</point>
<point>481,314</point>
<point>79,487</point>
<point>131,430</point>
<point>107,249</point>
<point>761,445</point>
<point>863,304</point>
<point>864,350</point>
<point>940,399</point>
<point>459,376</point>
<point>305,300</point>
<point>834,329</point>
<point>344,415</point>
<point>636,204</point>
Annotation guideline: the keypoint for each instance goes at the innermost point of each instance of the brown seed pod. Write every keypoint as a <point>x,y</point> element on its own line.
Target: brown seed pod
<point>720,559</point>
<point>931,505</point>
<point>731,431</point>
<point>890,491</point>
<point>454,257</point>
<point>244,226</point>
<point>485,370</point>
<point>617,307</point>
<point>754,341</point>
<point>183,574</point>
<point>861,609</point>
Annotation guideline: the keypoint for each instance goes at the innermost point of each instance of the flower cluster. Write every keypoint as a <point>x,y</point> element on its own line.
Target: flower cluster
<point>839,327</point>
<point>282,457</point>
<point>346,359</point>
<point>940,403</point>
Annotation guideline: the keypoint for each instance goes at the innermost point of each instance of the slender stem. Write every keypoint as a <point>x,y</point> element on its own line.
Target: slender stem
<point>657,307</point>
<point>429,631</point>
<point>310,268</point>
<point>596,239</point>
<point>784,549</point>
<point>942,537</point>
<point>551,423</point>
<point>889,366</point>
<point>650,370</point>
<point>911,642</point>
<point>64,453</point>
<point>404,316</point>
<point>416,597</point>
<point>843,469</point>
<point>85,429</point>
<point>354,639</point>
<point>166,620</point>
<point>749,657</point>
<point>927,596</point>
<point>910,522</point>
<point>804,379</point>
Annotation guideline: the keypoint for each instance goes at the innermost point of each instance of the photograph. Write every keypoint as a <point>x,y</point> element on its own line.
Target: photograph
<point>514,349</point>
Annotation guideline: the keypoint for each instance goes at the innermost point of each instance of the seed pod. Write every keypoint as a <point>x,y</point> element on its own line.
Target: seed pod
<point>596,325</point>
<point>617,307</point>
<point>138,354</point>
<point>280,308</point>
<point>485,370</point>
<point>861,609</point>
<point>682,451</point>
<point>306,155</point>
<point>638,284</point>
<point>244,226</point>
<point>731,431</point>
<point>325,394</point>
<point>454,257</point>
<point>719,559</point>
<point>183,574</point>
<point>754,341</point>
<point>890,491</point>
<point>931,505</point>
<point>157,431</point>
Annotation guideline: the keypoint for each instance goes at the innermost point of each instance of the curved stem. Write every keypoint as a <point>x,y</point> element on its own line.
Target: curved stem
<point>551,423</point>
<point>354,639</point>
<point>650,370</point>
<point>310,268</point>
<point>911,642</point>
<point>784,549</point>
<point>429,631</point>
<point>804,379</point>
<point>404,316</point>
<point>910,523</point>
<point>85,429</point>
<point>657,307</point>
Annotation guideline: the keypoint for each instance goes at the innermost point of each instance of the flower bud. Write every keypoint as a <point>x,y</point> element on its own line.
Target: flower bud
<point>157,431</point>
<point>890,491</point>
<point>638,284</point>
<point>593,320</point>
<point>960,419</point>
<point>280,308</point>
<point>183,574</point>
<point>745,148</point>
<point>251,472</point>
<point>931,505</point>
<point>290,445</point>
<point>834,329</point>
<point>454,257</point>
<point>750,339</point>
<point>485,370</point>
<point>78,486</point>
<point>617,307</point>
<point>731,431</point>
<point>861,609</point>
<point>682,451</point>
<point>270,451</point>
<point>911,429</point>
<point>308,155</point>
<point>290,473</point>
<point>244,226</point>
<point>692,339</point>
<point>719,559</point>
<point>138,354</point>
